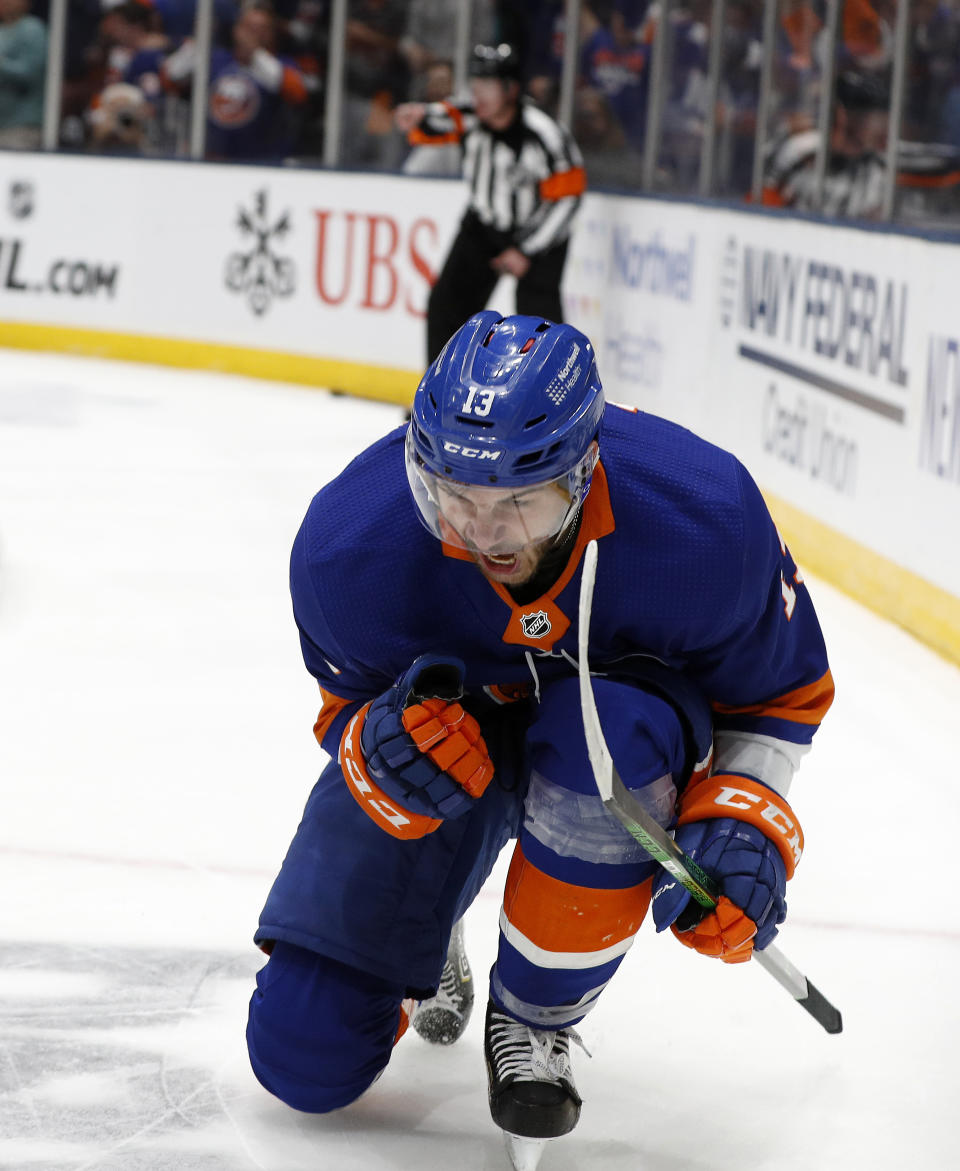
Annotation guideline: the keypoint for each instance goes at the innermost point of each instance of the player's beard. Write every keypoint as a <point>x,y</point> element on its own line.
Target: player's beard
<point>514,569</point>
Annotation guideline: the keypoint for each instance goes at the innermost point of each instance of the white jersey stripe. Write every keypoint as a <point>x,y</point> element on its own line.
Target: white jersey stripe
<point>577,960</point>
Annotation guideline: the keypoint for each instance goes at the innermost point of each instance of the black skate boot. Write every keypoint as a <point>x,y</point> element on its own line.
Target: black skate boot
<point>442,1019</point>
<point>529,1077</point>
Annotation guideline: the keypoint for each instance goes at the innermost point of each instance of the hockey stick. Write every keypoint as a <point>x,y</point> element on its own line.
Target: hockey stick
<point>654,838</point>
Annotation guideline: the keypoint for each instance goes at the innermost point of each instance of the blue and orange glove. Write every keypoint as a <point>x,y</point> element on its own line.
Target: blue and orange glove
<point>420,758</point>
<point>748,839</point>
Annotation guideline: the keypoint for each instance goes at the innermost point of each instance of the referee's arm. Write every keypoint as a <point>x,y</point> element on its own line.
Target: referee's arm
<point>560,192</point>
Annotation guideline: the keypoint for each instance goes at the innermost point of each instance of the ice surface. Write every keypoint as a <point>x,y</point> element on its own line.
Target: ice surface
<point>155,753</point>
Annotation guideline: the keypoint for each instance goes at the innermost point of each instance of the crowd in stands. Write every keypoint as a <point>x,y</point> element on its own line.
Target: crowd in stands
<point>130,64</point>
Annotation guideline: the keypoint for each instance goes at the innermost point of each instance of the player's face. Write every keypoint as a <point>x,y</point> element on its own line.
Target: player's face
<point>505,530</point>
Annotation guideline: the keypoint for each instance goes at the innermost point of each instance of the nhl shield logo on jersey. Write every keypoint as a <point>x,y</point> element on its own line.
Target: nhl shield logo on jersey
<point>536,625</point>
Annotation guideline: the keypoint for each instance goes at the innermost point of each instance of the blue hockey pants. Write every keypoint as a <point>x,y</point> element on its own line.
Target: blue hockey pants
<point>325,1013</point>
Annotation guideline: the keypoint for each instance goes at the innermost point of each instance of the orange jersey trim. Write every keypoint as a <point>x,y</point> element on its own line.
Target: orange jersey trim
<point>558,916</point>
<point>564,183</point>
<point>333,705</point>
<point>947,179</point>
<point>724,795</point>
<point>597,522</point>
<point>456,115</point>
<point>504,693</point>
<point>292,87</point>
<point>417,137</point>
<point>805,705</point>
<point>397,822</point>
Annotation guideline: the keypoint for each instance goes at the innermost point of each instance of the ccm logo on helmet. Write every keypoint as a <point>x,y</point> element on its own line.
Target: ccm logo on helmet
<point>470,452</point>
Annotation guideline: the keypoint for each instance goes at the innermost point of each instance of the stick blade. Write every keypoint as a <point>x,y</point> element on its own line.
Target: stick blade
<point>524,1153</point>
<point>822,1011</point>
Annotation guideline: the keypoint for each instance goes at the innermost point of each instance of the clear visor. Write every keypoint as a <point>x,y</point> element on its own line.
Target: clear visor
<point>497,521</point>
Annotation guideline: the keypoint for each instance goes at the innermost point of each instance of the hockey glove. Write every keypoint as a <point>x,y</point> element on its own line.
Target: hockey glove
<point>422,749</point>
<point>750,852</point>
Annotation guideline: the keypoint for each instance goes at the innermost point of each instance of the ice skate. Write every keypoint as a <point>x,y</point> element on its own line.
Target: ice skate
<point>442,1019</point>
<point>530,1079</point>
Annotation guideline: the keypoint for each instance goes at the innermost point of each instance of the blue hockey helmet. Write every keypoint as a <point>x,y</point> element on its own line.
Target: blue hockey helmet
<point>510,403</point>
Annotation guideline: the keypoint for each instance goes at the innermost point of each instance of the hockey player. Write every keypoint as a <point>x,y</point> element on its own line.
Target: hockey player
<point>435,586</point>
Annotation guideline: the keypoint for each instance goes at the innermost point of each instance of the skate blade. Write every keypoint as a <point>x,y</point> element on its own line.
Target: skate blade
<point>524,1152</point>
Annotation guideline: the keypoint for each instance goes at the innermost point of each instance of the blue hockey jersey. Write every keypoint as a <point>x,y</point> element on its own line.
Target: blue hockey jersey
<point>692,575</point>
<point>691,571</point>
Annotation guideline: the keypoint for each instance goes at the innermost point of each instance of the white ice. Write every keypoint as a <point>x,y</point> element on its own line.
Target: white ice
<point>155,754</point>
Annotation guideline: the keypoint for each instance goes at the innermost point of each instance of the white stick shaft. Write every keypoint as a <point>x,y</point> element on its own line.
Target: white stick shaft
<point>651,835</point>
<point>600,759</point>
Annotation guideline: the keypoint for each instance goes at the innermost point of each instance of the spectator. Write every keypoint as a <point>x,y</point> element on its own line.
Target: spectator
<point>685,109</point>
<point>377,78</point>
<point>609,158</point>
<point>519,216</point>
<point>928,173</point>
<point>933,56</point>
<point>796,58</point>
<point>736,112</point>
<point>136,49</point>
<point>178,18</point>
<point>84,69</point>
<point>126,29</point>
<point>431,33</point>
<point>428,159</point>
<point>856,164</point>
<point>617,68</point>
<point>541,30</point>
<point>23,70</point>
<point>252,91</point>
<point>303,37</point>
<point>119,118</point>
<point>865,37</point>
<point>629,22</point>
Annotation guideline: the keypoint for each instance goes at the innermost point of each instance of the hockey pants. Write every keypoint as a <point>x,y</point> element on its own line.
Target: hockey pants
<point>321,1030</point>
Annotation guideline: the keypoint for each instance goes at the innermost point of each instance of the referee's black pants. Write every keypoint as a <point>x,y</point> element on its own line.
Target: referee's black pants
<point>467,280</point>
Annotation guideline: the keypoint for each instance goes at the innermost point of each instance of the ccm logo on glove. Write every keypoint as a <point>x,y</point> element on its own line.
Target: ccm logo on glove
<point>748,839</point>
<point>751,802</point>
<point>414,757</point>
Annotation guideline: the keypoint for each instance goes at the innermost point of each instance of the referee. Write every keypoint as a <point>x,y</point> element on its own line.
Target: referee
<point>526,181</point>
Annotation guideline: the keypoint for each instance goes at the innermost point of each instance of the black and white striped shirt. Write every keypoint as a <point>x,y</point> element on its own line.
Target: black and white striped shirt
<point>526,182</point>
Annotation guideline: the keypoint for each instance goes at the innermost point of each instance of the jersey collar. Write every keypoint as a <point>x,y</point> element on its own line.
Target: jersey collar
<point>541,623</point>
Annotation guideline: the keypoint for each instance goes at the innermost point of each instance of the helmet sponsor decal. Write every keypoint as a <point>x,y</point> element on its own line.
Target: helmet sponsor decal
<point>568,365</point>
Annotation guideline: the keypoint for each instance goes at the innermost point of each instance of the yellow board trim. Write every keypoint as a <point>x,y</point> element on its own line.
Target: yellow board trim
<point>928,612</point>
<point>384,383</point>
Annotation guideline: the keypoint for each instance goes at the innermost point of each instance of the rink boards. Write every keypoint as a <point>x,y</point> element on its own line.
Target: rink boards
<point>826,357</point>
